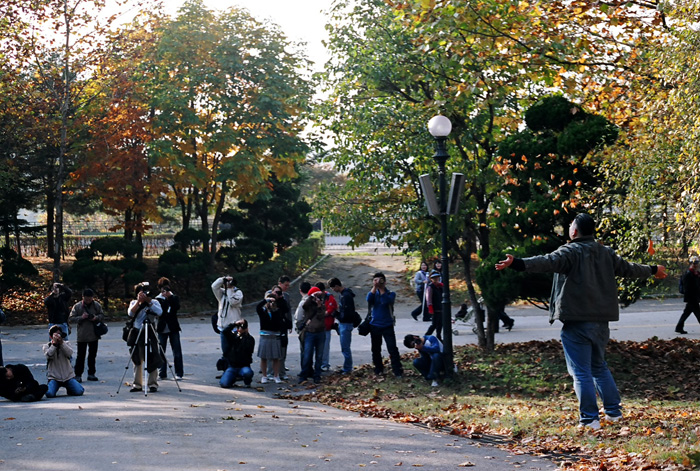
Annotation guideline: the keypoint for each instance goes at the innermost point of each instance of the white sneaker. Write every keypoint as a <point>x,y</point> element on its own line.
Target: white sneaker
<point>434,384</point>
<point>595,425</point>
<point>264,380</point>
<point>613,418</point>
<point>278,380</point>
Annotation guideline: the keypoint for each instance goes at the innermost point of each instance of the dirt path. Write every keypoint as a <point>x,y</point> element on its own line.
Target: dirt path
<point>355,272</point>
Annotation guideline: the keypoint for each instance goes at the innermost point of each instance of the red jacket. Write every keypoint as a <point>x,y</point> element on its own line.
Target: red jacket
<point>331,310</point>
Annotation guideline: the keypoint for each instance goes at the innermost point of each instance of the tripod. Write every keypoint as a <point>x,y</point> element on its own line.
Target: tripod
<point>146,332</point>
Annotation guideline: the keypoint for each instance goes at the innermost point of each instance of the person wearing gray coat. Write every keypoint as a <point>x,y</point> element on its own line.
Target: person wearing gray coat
<point>584,298</point>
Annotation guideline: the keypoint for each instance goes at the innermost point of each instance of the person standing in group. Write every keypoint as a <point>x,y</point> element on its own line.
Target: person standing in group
<point>86,313</point>
<point>57,306</point>
<point>239,355</point>
<point>284,282</point>
<point>230,299</point>
<point>346,315</point>
<point>584,298</point>
<point>420,281</point>
<point>145,309</point>
<point>690,282</point>
<point>381,304</point>
<point>304,288</point>
<point>271,312</point>
<point>433,304</point>
<point>331,309</point>
<point>59,372</point>
<point>169,328</point>
<point>313,335</point>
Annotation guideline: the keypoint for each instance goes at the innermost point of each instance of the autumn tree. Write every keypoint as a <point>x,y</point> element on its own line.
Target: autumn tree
<point>396,64</point>
<point>230,98</point>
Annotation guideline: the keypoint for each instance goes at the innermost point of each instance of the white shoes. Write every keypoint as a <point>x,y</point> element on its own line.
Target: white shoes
<point>264,380</point>
<point>434,384</point>
<point>611,418</point>
<point>595,425</point>
<point>278,380</point>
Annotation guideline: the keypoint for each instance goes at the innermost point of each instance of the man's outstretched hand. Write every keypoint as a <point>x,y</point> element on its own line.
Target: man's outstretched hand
<point>660,272</point>
<point>503,264</point>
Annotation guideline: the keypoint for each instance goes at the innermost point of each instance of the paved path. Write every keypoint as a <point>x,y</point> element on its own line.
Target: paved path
<point>204,427</point>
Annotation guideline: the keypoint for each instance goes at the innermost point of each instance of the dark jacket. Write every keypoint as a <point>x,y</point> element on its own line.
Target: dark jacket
<point>584,287</point>
<point>22,385</point>
<point>346,309</point>
<point>57,306</point>
<point>168,319</point>
<point>240,351</point>
<point>273,321</point>
<point>314,316</point>
<point>691,287</point>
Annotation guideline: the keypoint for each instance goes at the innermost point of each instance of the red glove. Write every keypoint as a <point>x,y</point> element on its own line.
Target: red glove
<point>431,310</point>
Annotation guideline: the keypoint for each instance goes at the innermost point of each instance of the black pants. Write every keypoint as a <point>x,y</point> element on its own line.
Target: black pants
<point>91,347</point>
<point>690,308</point>
<point>436,325</point>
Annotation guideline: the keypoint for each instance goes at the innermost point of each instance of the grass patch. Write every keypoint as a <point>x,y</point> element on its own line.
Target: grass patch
<point>523,394</point>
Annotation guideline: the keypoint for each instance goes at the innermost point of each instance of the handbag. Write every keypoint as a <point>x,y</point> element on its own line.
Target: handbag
<point>356,319</point>
<point>100,328</point>
<point>364,327</point>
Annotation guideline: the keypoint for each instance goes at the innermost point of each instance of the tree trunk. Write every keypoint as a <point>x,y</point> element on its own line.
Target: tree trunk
<point>215,222</point>
<point>50,227</point>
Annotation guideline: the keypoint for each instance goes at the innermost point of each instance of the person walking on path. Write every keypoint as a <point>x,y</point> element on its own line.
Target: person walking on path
<point>381,305</point>
<point>420,281</point>
<point>690,282</point>
<point>433,304</point>
<point>86,313</point>
<point>346,315</point>
<point>59,371</point>
<point>584,298</point>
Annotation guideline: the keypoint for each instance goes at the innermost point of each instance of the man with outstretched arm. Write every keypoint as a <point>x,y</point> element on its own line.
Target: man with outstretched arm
<point>584,298</point>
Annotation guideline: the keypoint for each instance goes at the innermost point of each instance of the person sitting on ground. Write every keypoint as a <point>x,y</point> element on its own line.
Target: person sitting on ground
<point>239,355</point>
<point>18,385</point>
<point>430,363</point>
<point>59,371</point>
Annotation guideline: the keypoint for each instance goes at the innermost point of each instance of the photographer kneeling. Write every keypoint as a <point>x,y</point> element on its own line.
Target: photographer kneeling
<point>239,354</point>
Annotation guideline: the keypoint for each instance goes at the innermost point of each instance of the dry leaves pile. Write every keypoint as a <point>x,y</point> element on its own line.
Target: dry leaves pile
<point>522,398</point>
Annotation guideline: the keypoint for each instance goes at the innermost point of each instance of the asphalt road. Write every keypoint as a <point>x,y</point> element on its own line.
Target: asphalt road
<point>204,427</point>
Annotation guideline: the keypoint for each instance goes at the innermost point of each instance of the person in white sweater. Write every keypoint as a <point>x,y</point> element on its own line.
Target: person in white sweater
<point>230,299</point>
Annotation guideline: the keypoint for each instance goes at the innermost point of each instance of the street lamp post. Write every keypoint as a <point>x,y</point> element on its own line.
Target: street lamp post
<point>440,127</point>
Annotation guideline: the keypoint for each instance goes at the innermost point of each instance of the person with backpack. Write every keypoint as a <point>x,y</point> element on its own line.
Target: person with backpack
<point>690,288</point>
<point>346,318</point>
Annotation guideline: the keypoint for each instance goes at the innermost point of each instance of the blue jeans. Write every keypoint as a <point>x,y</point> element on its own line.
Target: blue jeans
<point>429,365</point>
<point>176,347</point>
<point>73,387</point>
<point>326,361</point>
<point>313,353</point>
<point>231,375</point>
<point>584,348</point>
<point>345,341</point>
<point>389,335</point>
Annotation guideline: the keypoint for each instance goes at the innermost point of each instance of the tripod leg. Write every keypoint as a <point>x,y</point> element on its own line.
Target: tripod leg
<point>130,360</point>
<point>165,359</point>
<point>145,360</point>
